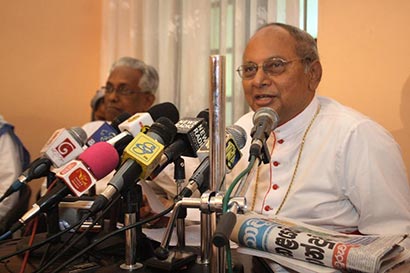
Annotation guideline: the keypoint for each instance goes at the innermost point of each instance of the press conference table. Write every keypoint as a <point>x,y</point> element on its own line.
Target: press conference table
<point>247,264</point>
<point>13,264</point>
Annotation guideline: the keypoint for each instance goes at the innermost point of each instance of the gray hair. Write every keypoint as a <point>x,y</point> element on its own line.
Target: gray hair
<point>149,80</point>
<point>306,46</point>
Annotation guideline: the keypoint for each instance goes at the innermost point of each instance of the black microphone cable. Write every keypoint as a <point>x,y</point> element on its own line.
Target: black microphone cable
<point>40,244</point>
<point>64,248</point>
<point>51,238</point>
<point>142,222</point>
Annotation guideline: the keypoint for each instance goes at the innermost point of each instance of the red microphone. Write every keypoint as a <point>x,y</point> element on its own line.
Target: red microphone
<point>76,177</point>
<point>92,165</point>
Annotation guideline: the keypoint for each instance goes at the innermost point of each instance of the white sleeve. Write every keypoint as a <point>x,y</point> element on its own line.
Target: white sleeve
<point>10,169</point>
<point>376,180</point>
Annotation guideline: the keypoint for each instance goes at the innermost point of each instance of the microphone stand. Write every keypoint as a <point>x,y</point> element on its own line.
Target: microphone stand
<point>179,176</point>
<point>52,219</point>
<point>181,256</point>
<point>211,256</point>
<point>133,198</point>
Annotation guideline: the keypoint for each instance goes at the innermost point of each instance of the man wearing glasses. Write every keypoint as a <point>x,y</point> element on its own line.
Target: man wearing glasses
<point>330,165</point>
<point>130,87</point>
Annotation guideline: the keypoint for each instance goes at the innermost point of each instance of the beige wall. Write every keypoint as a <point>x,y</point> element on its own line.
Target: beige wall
<point>50,55</point>
<point>365,51</point>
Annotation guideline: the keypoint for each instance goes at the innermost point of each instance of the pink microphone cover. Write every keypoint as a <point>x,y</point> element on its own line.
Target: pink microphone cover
<point>101,158</point>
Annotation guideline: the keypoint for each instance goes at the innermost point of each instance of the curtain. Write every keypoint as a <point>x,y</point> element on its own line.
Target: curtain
<point>178,36</point>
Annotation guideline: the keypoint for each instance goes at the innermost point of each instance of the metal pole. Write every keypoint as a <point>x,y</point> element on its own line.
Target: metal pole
<point>217,145</point>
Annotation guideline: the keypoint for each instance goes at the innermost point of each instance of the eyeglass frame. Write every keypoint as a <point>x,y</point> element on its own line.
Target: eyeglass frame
<point>284,64</point>
<point>122,90</point>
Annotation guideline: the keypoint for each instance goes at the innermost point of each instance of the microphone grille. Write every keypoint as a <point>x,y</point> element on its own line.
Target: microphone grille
<point>78,134</point>
<point>238,134</point>
<point>118,120</point>
<point>165,109</point>
<point>205,115</point>
<point>266,112</point>
<point>165,129</point>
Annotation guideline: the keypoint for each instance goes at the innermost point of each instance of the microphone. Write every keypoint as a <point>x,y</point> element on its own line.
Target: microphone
<point>191,135</point>
<point>118,120</point>
<point>265,121</point>
<point>140,157</point>
<point>205,115</point>
<point>138,121</point>
<point>235,140</point>
<point>141,121</point>
<point>107,131</point>
<point>78,175</point>
<point>63,146</point>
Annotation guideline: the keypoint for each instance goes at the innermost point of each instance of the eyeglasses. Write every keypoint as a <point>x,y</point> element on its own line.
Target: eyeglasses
<point>272,66</point>
<point>122,90</point>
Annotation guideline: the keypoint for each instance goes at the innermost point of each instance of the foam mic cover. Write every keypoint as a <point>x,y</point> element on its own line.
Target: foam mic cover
<point>101,158</point>
<point>77,177</point>
<point>140,157</point>
<point>164,129</point>
<point>165,109</point>
<point>95,163</point>
<point>146,149</point>
<point>192,133</point>
<point>118,120</point>
<point>141,121</point>
<point>205,115</point>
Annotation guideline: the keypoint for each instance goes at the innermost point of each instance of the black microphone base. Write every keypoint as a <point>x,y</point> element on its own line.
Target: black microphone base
<point>177,259</point>
<point>191,268</point>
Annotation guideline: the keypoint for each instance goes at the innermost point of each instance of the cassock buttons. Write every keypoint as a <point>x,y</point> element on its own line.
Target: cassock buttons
<point>280,141</point>
<point>275,163</point>
<point>267,208</point>
<point>275,186</point>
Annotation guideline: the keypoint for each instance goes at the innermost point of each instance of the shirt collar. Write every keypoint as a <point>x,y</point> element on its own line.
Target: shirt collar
<point>298,123</point>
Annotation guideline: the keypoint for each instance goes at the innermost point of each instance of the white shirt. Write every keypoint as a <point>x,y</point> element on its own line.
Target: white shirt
<point>10,169</point>
<point>351,175</point>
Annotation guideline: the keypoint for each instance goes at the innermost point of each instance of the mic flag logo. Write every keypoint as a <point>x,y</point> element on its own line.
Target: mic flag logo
<point>144,148</point>
<point>232,154</point>
<point>77,177</point>
<point>136,123</point>
<point>146,151</point>
<point>62,147</point>
<point>80,179</point>
<point>104,133</point>
<point>65,147</point>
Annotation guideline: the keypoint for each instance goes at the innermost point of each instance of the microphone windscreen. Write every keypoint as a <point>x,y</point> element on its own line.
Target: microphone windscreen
<point>78,134</point>
<point>165,109</point>
<point>238,133</point>
<point>118,120</point>
<point>267,114</point>
<point>164,128</point>
<point>101,158</point>
<point>205,115</point>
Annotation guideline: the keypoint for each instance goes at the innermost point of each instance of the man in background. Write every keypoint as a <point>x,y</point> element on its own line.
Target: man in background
<point>98,106</point>
<point>130,87</point>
